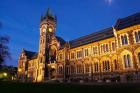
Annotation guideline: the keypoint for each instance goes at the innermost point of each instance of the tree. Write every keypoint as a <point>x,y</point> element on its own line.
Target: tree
<point>4,49</point>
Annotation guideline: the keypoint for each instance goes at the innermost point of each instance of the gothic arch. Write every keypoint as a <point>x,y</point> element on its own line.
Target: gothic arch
<point>60,69</point>
<point>95,65</point>
<point>122,54</point>
<point>114,62</point>
<point>137,55</point>
<point>105,63</point>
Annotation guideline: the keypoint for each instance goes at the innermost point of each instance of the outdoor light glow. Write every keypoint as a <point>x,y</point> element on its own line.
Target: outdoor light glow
<point>5,74</point>
<point>19,70</point>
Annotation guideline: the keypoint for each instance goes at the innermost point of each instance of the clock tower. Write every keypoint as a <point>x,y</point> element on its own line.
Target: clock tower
<point>47,32</point>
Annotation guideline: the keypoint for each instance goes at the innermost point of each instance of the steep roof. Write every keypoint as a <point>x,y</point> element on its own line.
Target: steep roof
<point>30,54</point>
<point>94,37</point>
<point>128,21</point>
<point>61,40</point>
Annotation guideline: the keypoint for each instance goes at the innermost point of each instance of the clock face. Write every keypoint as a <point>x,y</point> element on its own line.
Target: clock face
<point>50,29</point>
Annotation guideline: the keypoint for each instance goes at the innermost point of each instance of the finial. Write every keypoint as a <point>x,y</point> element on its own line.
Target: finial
<point>49,13</point>
<point>41,18</point>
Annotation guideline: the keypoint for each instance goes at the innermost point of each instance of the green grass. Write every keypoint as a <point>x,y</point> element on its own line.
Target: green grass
<point>13,87</point>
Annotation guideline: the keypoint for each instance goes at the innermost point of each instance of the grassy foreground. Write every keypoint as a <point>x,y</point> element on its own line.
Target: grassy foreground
<point>13,87</point>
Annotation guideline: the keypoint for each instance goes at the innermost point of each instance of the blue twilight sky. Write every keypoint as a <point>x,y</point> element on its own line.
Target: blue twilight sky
<point>20,19</point>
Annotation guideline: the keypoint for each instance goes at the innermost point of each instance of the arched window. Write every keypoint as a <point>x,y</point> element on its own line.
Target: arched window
<point>139,57</point>
<point>125,39</point>
<point>79,69</point>
<point>125,61</point>
<point>115,65</point>
<point>68,70</point>
<point>122,39</point>
<point>139,35</point>
<point>113,46</point>
<point>128,61</point>
<point>106,65</point>
<point>136,37</point>
<point>107,48</point>
<point>96,67</point>
<point>60,70</point>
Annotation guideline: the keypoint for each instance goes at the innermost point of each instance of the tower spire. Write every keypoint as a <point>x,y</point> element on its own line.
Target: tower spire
<point>49,13</point>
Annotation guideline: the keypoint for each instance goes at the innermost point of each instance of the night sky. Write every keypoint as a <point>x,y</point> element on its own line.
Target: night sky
<point>20,19</point>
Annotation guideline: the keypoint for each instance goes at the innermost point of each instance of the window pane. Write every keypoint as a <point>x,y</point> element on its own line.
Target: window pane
<point>128,61</point>
<point>139,56</point>
<point>122,38</point>
<point>136,37</point>
<point>125,61</point>
<point>125,39</point>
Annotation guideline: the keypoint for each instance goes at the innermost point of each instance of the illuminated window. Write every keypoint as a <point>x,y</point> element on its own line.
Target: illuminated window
<point>113,46</point>
<point>95,50</point>
<point>60,70</point>
<point>139,57</point>
<point>61,56</point>
<point>96,67</point>
<point>106,65</point>
<point>104,48</point>
<point>127,61</point>
<point>68,70</point>
<point>107,48</point>
<point>137,36</point>
<point>79,54</point>
<point>86,52</point>
<point>72,55</point>
<point>124,39</point>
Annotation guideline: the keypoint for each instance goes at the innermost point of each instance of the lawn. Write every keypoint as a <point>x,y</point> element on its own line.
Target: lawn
<point>13,87</point>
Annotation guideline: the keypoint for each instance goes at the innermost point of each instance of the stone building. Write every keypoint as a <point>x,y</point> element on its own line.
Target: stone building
<point>109,54</point>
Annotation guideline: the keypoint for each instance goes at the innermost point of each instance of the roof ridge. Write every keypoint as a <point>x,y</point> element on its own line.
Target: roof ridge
<point>94,33</point>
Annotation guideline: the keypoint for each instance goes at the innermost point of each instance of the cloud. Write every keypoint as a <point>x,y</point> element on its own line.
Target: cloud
<point>109,1</point>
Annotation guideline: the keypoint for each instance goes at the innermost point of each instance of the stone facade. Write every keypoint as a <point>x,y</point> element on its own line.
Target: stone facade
<point>112,54</point>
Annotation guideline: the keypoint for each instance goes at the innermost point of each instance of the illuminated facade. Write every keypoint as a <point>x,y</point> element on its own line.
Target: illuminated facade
<point>110,54</point>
